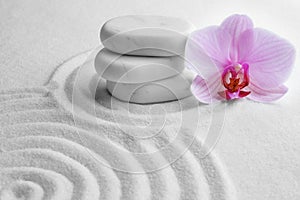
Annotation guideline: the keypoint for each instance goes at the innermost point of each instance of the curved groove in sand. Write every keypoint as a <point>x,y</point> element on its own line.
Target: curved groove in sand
<point>10,97</point>
<point>39,183</point>
<point>18,105</point>
<point>34,90</point>
<point>83,181</point>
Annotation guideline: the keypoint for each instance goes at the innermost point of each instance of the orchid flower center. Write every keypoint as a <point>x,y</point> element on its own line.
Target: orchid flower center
<point>235,78</point>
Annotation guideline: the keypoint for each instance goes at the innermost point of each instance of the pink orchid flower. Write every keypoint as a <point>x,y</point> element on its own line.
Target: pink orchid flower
<point>236,60</point>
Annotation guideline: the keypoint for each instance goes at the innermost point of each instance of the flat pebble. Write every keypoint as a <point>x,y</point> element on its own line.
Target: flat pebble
<point>176,87</point>
<point>146,35</point>
<point>136,69</point>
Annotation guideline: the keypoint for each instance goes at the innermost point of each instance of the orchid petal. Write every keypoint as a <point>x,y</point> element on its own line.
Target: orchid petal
<point>207,51</point>
<point>235,25</point>
<point>267,95</point>
<point>206,91</point>
<point>245,45</point>
<point>270,57</point>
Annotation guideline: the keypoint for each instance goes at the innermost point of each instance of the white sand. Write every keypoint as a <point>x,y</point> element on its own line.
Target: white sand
<point>100,160</point>
<point>259,146</point>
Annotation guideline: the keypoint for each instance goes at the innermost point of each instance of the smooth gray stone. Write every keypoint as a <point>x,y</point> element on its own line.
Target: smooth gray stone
<point>136,69</point>
<point>146,35</point>
<point>173,88</point>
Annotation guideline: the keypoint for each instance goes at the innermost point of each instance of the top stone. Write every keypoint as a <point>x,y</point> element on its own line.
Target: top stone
<point>146,35</point>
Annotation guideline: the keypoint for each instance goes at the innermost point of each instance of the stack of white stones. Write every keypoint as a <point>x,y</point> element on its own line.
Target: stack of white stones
<point>142,61</point>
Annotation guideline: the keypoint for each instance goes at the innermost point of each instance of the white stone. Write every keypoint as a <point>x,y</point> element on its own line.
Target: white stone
<point>173,88</point>
<point>146,35</point>
<point>136,69</point>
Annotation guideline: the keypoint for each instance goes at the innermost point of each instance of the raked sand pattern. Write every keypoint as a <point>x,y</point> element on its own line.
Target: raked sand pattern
<point>51,148</point>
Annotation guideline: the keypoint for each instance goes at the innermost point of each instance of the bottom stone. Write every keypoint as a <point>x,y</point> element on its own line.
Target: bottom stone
<point>173,88</point>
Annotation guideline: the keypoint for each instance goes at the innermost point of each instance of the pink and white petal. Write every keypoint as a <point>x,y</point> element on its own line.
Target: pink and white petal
<point>245,45</point>
<point>267,95</point>
<point>235,25</point>
<point>207,91</point>
<point>270,58</point>
<point>207,51</point>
